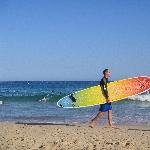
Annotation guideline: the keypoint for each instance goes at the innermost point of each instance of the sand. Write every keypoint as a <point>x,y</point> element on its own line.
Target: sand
<point>80,137</point>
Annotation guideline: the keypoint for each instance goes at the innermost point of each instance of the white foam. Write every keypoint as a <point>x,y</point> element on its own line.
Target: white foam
<point>144,97</point>
<point>45,99</point>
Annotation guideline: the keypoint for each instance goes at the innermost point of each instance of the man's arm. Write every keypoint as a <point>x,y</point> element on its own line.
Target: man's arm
<point>104,88</point>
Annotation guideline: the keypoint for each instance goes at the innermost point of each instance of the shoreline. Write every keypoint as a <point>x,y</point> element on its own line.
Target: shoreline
<point>78,136</point>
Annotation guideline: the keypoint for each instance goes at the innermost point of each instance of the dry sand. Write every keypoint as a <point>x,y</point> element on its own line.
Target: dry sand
<point>79,137</point>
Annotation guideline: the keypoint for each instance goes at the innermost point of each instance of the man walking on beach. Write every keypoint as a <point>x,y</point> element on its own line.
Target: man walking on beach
<point>107,106</point>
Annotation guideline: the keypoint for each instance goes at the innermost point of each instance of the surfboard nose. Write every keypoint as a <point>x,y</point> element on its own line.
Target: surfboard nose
<point>65,102</point>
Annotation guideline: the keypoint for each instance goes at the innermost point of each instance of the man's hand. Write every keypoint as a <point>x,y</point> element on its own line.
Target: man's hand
<point>108,100</point>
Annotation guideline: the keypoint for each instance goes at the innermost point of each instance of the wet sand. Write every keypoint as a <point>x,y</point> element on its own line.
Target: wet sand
<point>79,137</point>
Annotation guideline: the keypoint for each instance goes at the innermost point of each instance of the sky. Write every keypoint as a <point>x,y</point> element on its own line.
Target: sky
<point>73,40</point>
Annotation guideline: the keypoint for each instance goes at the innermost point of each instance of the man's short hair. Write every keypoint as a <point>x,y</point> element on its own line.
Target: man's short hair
<point>105,70</point>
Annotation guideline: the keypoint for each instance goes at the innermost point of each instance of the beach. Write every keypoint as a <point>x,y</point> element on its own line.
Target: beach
<point>74,137</point>
<point>36,102</point>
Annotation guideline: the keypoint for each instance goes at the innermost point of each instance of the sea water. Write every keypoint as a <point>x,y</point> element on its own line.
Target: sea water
<point>35,101</point>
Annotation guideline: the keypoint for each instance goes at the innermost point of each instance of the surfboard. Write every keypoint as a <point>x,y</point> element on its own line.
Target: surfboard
<point>117,90</point>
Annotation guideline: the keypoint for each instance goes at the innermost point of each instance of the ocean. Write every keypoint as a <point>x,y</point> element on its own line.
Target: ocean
<point>35,102</point>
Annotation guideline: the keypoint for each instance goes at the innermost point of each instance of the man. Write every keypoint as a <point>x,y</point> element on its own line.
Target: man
<point>107,106</point>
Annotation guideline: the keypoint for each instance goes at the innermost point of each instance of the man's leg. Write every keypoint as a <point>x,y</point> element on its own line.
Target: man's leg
<point>110,117</point>
<point>93,121</point>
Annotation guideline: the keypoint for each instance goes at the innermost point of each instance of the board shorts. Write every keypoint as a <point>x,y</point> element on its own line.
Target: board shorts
<point>105,107</point>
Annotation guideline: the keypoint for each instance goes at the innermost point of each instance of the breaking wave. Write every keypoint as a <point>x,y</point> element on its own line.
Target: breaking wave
<point>142,97</point>
<point>44,98</point>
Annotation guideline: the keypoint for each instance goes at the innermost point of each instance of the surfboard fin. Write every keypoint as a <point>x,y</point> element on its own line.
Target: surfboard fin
<point>60,105</point>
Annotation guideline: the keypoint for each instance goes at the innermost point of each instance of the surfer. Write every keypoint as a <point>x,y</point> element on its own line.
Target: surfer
<point>107,106</point>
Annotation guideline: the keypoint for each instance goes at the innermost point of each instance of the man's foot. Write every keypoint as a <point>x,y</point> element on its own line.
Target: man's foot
<point>112,126</point>
<point>92,124</point>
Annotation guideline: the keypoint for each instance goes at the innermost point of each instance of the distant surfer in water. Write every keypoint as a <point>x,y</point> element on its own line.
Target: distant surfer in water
<point>107,106</point>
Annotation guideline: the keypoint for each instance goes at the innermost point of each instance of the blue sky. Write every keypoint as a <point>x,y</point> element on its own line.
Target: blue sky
<point>73,40</point>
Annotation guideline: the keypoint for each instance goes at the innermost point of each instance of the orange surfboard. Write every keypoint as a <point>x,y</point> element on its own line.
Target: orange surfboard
<point>117,90</point>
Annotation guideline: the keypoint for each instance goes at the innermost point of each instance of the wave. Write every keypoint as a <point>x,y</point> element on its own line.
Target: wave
<point>142,97</point>
<point>41,98</point>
